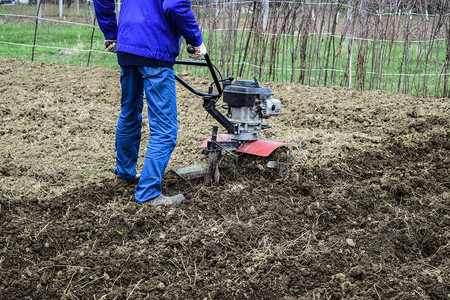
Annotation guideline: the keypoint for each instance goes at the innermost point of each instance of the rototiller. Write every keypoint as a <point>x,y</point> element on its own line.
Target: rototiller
<point>248,104</point>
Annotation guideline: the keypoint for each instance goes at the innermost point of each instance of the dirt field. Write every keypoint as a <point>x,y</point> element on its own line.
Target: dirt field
<point>365,213</point>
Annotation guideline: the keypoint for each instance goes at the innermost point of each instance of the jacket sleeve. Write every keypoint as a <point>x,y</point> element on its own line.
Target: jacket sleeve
<point>182,18</point>
<point>106,17</point>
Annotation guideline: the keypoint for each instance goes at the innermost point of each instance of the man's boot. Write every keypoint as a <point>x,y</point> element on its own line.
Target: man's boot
<point>165,200</point>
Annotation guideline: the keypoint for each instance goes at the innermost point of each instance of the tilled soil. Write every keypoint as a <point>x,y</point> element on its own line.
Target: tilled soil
<point>364,213</point>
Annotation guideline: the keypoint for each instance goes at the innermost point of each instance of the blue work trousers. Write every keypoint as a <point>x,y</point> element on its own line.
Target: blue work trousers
<point>158,84</point>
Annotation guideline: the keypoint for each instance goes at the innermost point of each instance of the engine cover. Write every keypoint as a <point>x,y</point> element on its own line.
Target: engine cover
<point>245,93</point>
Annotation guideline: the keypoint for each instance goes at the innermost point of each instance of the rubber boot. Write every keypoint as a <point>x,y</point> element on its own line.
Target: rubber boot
<point>165,200</point>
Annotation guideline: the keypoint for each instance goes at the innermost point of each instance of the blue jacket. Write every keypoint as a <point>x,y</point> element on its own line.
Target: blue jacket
<point>149,28</point>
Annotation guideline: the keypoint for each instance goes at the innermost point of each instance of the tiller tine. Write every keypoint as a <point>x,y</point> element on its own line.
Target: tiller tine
<point>201,173</point>
<point>281,166</point>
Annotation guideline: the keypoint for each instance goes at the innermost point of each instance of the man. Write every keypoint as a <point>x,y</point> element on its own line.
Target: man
<point>147,41</point>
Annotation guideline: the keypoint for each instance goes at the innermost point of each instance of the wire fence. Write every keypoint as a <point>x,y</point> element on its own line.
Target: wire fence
<point>393,45</point>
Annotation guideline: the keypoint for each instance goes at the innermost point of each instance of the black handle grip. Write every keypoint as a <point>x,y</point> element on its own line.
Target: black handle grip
<point>191,49</point>
<point>107,44</point>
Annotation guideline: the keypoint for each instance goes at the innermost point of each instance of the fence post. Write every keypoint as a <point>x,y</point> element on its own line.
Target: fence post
<point>93,30</point>
<point>60,8</point>
<point>350,63</point>
<point>38,20</point>
<point>265,14</point>
<point>446,92</point>
<point>39,10</point>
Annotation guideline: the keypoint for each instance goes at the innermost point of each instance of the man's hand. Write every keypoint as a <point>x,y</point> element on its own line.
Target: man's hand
<point>110,45</point>
<point>200,51</point>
